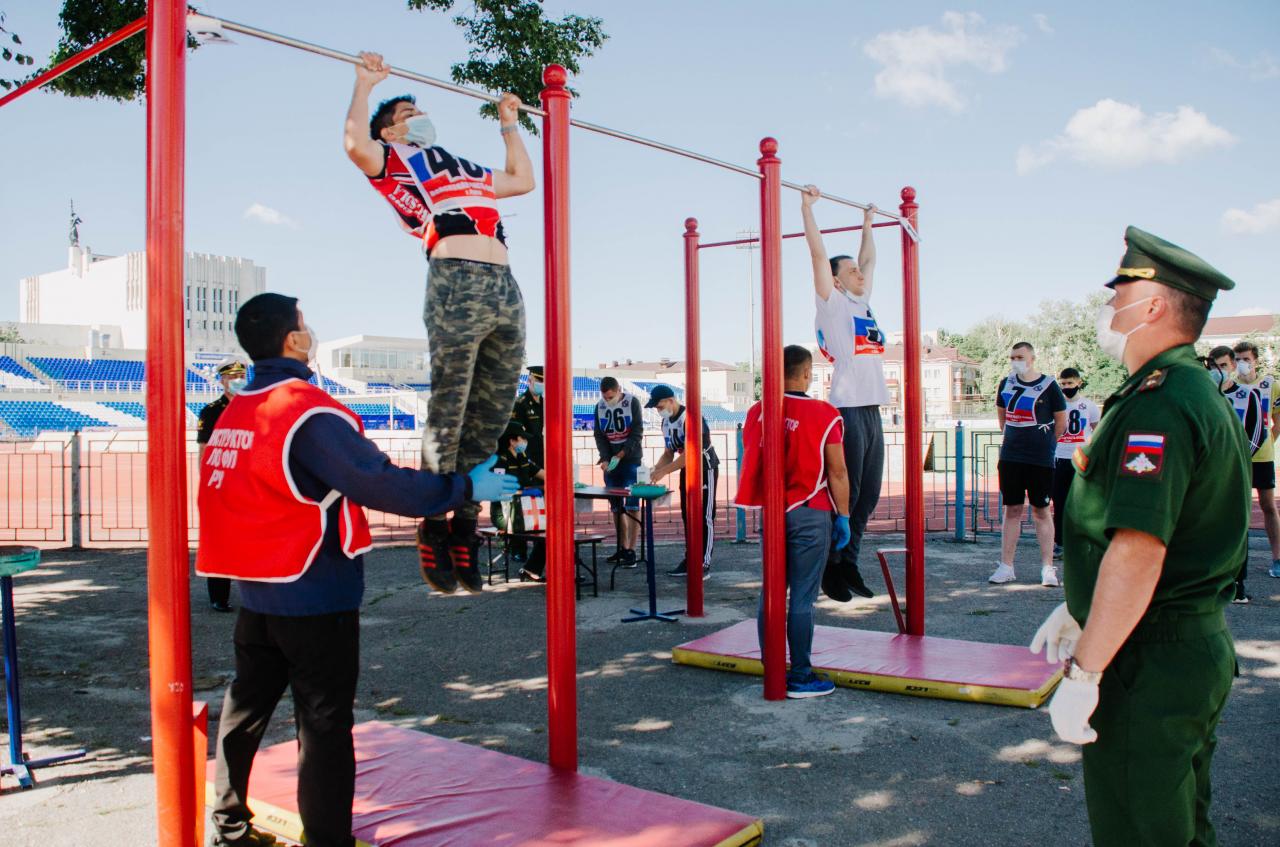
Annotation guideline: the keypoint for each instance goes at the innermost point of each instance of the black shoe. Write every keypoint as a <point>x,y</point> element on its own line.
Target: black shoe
<point>853,578</point>
<point>618,556</point>
<point>679,570</point>
<point>833,584</point>
<point>464,552</point>
<point>252,838</point>
<point>1242,596</point>
<point>433,558</point>
<point>221,606</point>
<point>525,573</point>
<point>628,560</point>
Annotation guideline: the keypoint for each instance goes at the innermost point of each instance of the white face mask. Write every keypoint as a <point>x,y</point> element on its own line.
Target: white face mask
<point>1020,366</point>
<point>1244,369</point>
<point>1111,341</point>
<point>420,131</point>
<point>315,345</point>
<point>665,411</point>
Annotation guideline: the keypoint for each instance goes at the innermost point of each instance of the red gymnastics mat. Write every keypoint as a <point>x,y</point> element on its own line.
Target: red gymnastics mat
<point>414,790</point>
<point>919,665</point>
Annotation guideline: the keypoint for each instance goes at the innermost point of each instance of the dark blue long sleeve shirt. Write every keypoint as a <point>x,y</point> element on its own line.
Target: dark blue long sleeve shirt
<point>328,454</point>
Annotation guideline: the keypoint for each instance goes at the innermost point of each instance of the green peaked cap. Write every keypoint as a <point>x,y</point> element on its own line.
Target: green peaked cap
<point>1148,256</point>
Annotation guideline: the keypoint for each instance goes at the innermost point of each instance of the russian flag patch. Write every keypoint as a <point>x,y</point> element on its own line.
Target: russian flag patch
<point>1143,455</point>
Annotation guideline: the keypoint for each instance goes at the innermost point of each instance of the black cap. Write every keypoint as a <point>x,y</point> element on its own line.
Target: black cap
<point>660,392</point>
<point>535,370</point>
<point>513,430</point>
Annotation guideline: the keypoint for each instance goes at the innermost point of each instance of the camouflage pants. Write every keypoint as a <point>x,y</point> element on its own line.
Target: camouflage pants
<point>475,331</point>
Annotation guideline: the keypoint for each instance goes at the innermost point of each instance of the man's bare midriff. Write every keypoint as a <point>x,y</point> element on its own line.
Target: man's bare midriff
<point>475,248</point>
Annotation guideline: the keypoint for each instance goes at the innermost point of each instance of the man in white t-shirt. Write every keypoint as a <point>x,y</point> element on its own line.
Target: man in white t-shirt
<point>852,341</point>
<point>1082,416</point>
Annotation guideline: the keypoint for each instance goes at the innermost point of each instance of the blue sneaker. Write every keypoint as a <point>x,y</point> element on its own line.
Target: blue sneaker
<point>809,686</point>
<point>1275,569</point>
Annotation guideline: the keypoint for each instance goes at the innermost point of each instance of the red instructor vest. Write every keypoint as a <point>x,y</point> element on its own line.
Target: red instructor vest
<point>809,425</point>
<point>255,523</point>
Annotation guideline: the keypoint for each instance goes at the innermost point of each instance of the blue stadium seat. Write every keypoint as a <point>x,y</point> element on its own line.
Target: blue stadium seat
<point>10,366</point>
<point>30,417</point>
<point>138,410</point>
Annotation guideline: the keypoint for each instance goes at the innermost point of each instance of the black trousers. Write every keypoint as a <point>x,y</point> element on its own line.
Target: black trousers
<point>318,658</point>
<point>219,589</point>
<point>1063,473</point>
<point>709,476</point>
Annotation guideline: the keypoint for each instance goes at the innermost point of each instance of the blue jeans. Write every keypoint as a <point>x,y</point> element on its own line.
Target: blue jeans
<point>808,543</point>
<point>623,476</point>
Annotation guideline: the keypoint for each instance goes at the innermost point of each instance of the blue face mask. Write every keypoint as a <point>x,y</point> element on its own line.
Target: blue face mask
<point>536,388</point>
<point>235,386</point>
<point>521,447</point>
<point>420,131</point>
<point>1217,376</point>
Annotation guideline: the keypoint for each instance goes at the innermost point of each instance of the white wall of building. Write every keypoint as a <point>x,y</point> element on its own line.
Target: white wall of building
<point>96,290</point>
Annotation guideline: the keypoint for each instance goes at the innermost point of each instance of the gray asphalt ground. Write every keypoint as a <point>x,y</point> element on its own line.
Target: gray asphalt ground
<point>855,768</point>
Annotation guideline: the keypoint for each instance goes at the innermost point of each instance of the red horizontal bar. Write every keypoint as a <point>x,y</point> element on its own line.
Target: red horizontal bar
<point>78,59</point>
<point>794,235</point>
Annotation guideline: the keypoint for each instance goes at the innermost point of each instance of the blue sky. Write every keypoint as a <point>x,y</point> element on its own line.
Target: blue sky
<point>1034,133</point>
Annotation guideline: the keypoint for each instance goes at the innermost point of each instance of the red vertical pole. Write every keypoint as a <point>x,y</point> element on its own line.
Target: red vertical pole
<point>562,651</point>
<point>774,529</point>
<point>168,588</point>
<point>695,508</point>
<point>913,408</point>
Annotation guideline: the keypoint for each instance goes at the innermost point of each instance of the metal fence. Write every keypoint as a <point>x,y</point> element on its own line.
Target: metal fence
<point>89,488</point>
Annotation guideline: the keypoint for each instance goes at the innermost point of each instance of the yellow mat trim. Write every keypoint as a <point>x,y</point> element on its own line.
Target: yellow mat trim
<point>994,695</point>
<point>273,819</point>
<point>751,836</point>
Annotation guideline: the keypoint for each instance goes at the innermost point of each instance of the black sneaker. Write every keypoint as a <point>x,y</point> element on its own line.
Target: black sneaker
<point>525,573</point>
<point>1242,596</point>
<point>628,560</point>
<point>252,838</point>
<point>464,551</point>
<point>618,556</point>
<point>679,570</point>
<point>221,607</point>
<point>433,558</point>
<point>833,585</point>
<point>853,578</point>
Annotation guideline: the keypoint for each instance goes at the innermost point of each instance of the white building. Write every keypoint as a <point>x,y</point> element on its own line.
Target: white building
<point>950,382</point>
<point>1229,330</point>
<point>375,359</point>
<point>95,290</point>
<point>722,384</point>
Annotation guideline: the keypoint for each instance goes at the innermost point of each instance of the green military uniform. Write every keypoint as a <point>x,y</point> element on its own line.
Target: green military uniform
<point>525,470</point>
<point>1168,459</point>
<point>528,413</point>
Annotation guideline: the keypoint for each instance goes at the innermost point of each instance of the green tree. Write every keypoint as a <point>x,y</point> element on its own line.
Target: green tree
<point>8,54</point>
<point>9,335</point>
<point>1064,336</point>
<point>512,41</point>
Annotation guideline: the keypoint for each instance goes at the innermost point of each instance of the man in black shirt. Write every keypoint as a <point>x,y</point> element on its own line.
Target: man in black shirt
<point>514,460</point>
<point>1032,412</point>
<point>231,373</point>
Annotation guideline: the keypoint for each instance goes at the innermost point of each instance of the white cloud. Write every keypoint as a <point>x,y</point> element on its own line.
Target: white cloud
<point>1042,21</point>
<point>1119,135</point>
<point>268,215</point>
<point>1252,312</point>
<point>1263,217</point>
<point>1263,66</point>
<point>917,61</point>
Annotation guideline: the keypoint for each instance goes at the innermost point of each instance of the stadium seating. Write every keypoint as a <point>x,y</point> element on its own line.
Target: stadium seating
<point>376,416</point>
<point>138,410</point>
<point>27,418</point>
<point>418,386</point>
<point>15,376</point>
<point>330,385</point>
<point>108,374</point>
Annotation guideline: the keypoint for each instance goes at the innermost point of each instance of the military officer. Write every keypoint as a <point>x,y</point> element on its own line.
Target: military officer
<point>528,413</point>
<point>231,374</point>
<point>1155,532</point>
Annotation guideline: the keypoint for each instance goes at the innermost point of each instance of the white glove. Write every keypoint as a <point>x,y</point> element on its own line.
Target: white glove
<point>1072,704</point>
<point>1059,634</point>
